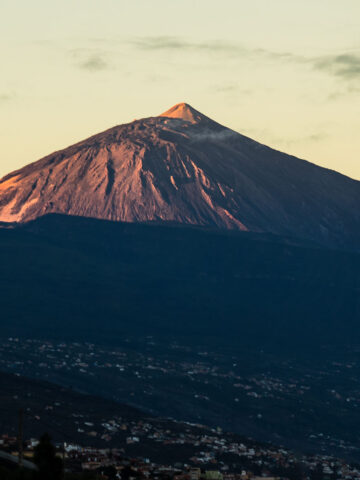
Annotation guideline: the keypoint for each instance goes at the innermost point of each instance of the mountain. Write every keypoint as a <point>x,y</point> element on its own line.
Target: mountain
<point>182,167</point>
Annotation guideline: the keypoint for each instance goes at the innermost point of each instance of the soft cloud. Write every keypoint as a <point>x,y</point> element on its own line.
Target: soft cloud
<point>94,63</point>
<point>346,66</point>
<point>6,97</point>
<point>210,135</point>
<point>90,59</point>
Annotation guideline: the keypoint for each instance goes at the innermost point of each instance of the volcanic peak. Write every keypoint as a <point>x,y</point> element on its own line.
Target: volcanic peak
<point>182,167</point>
<point>185,112</point>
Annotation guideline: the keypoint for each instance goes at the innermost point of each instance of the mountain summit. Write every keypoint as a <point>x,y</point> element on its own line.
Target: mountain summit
<point>183,167</point>
<point>185,112</point>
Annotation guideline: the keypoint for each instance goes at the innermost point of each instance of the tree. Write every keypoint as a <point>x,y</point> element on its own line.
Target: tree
<point>50,466</point>
<point>296,471</point>
<point>317,473</point>
<point>109,472</point>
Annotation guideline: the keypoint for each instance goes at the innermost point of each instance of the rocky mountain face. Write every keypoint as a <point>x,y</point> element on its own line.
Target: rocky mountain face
<point>182,167</point>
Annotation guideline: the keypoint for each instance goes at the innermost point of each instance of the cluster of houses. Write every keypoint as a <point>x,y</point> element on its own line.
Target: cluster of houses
<point>245,462</point>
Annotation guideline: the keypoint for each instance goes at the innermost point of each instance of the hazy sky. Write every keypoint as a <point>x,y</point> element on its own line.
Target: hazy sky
<point>285,72</point>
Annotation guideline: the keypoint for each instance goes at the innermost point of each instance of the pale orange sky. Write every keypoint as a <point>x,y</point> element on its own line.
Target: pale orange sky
<point>286,73</point>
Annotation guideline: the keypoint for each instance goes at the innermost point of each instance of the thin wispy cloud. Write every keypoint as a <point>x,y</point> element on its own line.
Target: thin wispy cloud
<point>231,88</point>
<point>348,90</point>
<point>176,43</point>
<point>216,46</point>
<point>268,136</point>
<point>311,138</point>
<point>345,66</point>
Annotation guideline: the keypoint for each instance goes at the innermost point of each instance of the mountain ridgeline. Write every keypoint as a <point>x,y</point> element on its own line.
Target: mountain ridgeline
<point>183,168</point>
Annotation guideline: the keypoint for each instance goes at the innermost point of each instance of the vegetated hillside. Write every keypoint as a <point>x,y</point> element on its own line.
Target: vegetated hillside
<point>70,276</point>
<point>59,411</point>
<point>183,167</point>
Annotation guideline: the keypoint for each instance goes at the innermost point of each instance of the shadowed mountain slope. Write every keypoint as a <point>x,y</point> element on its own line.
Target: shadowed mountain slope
<point>70,276</point>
